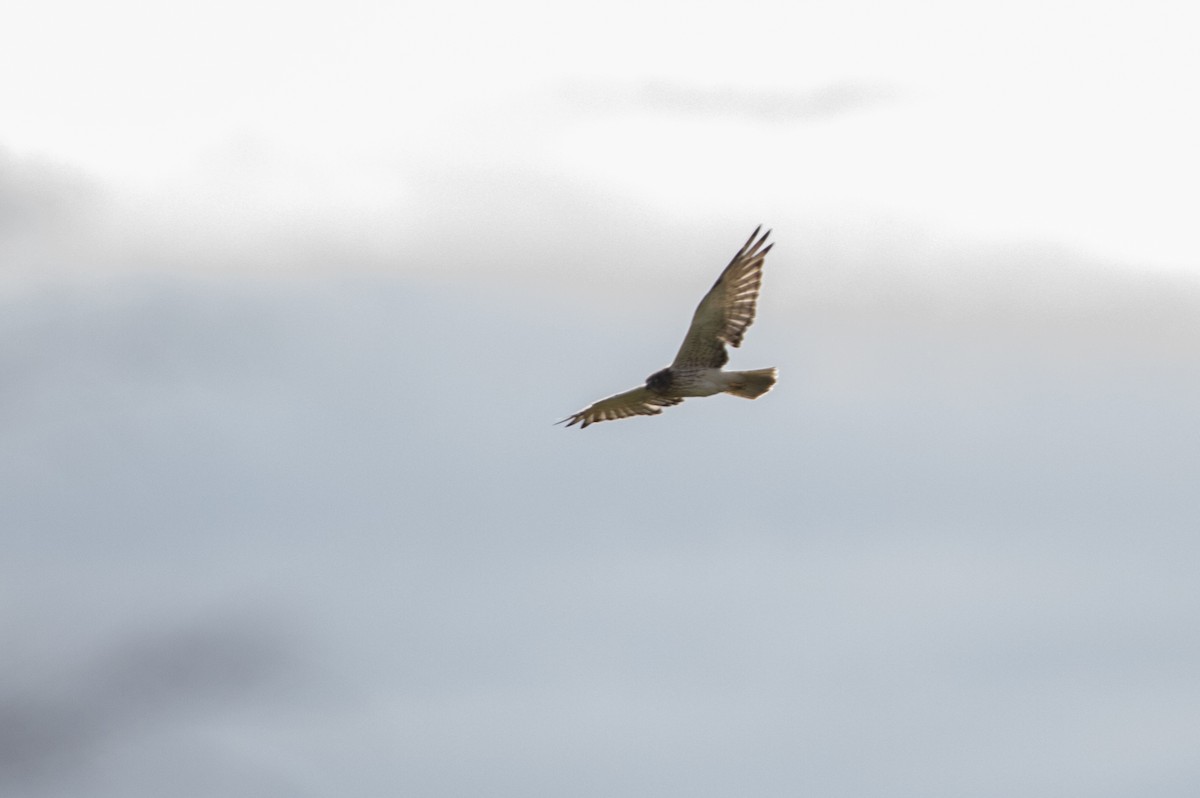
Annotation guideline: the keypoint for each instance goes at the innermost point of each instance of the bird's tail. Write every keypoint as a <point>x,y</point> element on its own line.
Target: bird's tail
<point>750,384</point>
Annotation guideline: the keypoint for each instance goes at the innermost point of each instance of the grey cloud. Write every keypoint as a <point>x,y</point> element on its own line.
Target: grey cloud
<point>954,548</point>
<point>33,192</point>
<point>49,215</point>
<point>50,734</point>
<point>765,105</point>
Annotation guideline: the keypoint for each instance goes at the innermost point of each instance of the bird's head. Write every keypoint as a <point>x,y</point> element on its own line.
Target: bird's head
<point>659,381</point>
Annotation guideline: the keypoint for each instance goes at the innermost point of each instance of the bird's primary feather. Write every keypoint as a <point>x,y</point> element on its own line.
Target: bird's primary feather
<point>637,402</point>
<point>727,310</point>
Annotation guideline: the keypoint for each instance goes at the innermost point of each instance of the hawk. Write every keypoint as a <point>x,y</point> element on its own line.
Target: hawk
<point>721,319</point>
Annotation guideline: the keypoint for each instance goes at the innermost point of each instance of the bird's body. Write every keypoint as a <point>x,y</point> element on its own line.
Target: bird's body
<point>721,319</point>
<point>686,382</point>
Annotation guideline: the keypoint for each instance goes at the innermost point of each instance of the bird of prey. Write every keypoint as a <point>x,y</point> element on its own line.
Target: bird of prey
<point>721,319</point>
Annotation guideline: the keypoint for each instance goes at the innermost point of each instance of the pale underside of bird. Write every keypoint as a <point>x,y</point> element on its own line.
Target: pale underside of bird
<point>720,320</point>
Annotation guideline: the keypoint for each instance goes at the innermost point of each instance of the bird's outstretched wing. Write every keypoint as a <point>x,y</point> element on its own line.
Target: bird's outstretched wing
<point>727,309</point>
<point>638,402</point>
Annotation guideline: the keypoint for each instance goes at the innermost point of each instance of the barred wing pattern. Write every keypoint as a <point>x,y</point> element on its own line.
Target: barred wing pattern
<point>725,313</point>
<point>638,402</point>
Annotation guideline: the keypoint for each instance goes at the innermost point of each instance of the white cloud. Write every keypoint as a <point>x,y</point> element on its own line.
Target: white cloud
<point>1033,121</point>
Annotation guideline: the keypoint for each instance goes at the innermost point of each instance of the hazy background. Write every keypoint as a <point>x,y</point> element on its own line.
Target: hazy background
<point>290,296</point>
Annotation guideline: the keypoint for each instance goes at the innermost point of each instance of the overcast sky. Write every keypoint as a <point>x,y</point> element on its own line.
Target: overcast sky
<point>290,296</point>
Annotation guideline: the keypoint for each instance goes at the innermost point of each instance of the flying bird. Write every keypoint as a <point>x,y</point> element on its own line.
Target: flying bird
<point>721,319</point>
